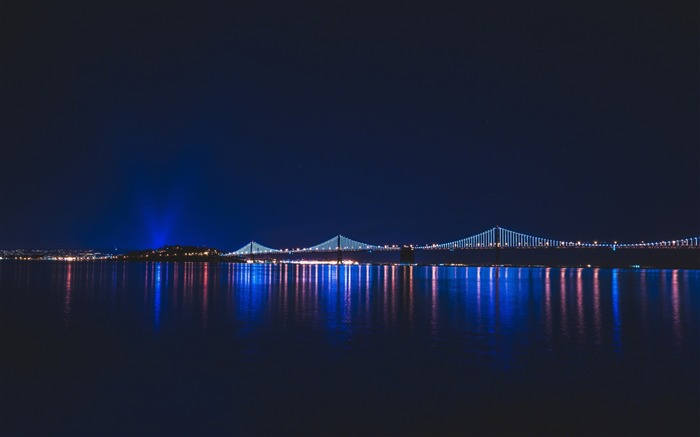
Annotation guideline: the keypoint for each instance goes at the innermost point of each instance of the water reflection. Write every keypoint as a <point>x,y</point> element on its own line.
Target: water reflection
<point>597,321</point>
<point>548,304</point>
<point>156,297</point>
<point>433,300</point>
<point>205,295</point>
<point>562,297</point>
<point>676,305</point>
<point>494,291</point>
<point>347,300</point>
<point>617,341</point>
<point>68,293</point>
<point>483,306</point>
<point>191,338</point>
<point>411,320</point>
<point>580,322</point>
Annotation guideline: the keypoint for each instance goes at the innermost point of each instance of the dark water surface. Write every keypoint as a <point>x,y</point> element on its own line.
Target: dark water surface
<point>216,349</point>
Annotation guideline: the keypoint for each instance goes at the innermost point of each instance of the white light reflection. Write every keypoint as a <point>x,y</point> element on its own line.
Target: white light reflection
<point>385,312</point>
<point>564,313</point>
<point>205,296</point>
<point>67,297</point>
<point>676,307</point>
<point>597,323</point>
<point>580,322</point>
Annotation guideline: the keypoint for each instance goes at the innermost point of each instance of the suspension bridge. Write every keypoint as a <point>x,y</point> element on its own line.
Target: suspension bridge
<point>494,238</point>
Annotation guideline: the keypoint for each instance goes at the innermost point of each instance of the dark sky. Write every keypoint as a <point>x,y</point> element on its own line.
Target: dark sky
<point>136,124</point>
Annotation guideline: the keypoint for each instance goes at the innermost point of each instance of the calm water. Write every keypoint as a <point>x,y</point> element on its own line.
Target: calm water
<point>212,349</point>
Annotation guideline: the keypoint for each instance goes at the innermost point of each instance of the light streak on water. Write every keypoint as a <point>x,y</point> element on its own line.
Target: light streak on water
<point>617,340</point>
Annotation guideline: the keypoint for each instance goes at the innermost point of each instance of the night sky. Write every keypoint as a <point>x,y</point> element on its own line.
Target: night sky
<point>138,124</point>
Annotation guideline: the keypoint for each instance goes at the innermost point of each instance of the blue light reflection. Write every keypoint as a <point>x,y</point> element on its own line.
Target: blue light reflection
<point>156,298</point>
<point>617,342</point>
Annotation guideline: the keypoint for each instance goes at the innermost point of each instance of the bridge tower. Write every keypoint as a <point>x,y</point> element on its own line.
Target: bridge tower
<point>497,242</point>
<point>252,256</point>
<point>340,253</point>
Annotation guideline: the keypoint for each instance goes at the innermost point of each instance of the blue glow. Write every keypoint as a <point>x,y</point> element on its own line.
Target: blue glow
<point>160,220</point>
<point>616,312</point>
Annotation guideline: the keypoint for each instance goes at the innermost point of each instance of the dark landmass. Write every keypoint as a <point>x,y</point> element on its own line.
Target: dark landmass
<point>179,253</point>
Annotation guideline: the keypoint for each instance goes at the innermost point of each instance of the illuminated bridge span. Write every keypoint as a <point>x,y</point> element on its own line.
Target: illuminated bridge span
<point>494,238</point>
<point>333,244</point>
